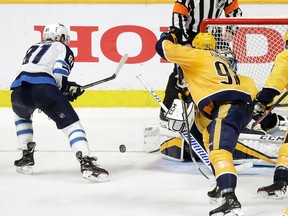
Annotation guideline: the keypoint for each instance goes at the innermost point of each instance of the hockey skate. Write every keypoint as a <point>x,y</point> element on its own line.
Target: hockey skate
<point>275,191</point>
<point>90,170</point>
<point>25,163</point>
<point>231,206</point>
<point>215,197</point>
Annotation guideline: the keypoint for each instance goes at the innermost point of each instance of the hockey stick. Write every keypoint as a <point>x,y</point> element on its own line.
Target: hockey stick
<point>280,105</point>
<point>120,65</point>
<point>189,139</point>
<point>196,147</point>
<point>269,111</point>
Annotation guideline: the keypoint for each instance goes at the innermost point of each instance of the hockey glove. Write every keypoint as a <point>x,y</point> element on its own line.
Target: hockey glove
<point>270,123</point>
<point>185,95</point>
<point>175,116</point>
<point>73,91</point>
<point>183,91</point>
<point>258,109</point>
<point>174,35</point>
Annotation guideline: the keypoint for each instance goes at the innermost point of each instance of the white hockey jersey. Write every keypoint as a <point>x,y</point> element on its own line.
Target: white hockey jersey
<point>45,63</point>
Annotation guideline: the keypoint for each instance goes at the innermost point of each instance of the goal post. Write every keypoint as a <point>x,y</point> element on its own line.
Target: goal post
<point>255,41</point>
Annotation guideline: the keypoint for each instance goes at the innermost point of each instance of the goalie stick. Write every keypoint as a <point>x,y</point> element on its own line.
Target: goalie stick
<point>196,147</point>
<point>276,104</point>
<point>120,65</point>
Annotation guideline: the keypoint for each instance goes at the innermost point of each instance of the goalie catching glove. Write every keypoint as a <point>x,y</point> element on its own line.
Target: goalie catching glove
<point>73,91</point>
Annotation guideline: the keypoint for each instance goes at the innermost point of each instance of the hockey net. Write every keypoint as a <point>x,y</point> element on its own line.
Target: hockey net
<point>255,41</point>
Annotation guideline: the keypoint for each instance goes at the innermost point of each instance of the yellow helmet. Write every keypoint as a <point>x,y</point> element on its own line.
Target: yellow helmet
<point>204,41</point>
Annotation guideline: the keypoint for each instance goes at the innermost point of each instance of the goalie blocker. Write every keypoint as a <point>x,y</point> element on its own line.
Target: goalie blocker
<point>257,146</point>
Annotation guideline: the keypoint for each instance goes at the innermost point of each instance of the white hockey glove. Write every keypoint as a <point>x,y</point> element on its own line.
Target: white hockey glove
<point>175,116</point>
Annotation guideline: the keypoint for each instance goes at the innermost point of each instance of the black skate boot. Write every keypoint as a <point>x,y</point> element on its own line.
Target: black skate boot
<point>215,197</point>
<point>24,164</point>
<point>90,169</point>
<point>277,190</point>
<point>230,206</point>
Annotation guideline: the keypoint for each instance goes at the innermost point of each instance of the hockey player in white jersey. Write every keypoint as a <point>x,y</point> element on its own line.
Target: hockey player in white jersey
<point>42,83</point>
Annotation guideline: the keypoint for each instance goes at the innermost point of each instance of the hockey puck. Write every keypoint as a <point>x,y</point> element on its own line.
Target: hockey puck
<point>122,148</point>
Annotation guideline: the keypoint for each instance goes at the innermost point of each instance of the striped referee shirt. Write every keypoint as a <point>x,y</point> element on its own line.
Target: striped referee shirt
<point>188,14</point>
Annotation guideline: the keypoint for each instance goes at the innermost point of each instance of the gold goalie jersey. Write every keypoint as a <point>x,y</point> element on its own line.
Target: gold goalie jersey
<point>278,79</point>
<point>208,76</point>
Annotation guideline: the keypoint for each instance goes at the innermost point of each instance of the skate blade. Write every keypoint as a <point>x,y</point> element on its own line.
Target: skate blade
<point>234,212</point>
<point>277,196</point>
<point>100,178</point>
<point>25,170</point>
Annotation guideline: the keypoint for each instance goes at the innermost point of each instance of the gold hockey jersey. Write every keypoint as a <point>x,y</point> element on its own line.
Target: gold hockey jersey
<point>209,77</point>
<point>278,79</point>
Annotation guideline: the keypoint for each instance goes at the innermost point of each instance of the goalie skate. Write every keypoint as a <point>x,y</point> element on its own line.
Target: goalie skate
<point>275,191</point>
<point>25,163</point>
<point>90,170</point>
<point>230,206</point>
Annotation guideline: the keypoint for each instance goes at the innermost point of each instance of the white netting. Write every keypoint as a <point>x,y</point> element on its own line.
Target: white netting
<point>256,42</point>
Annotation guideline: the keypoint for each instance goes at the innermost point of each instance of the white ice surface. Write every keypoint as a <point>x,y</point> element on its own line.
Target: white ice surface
<point>141,184</point>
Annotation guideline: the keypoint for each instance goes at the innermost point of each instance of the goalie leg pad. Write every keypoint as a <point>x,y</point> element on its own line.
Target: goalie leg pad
<point>250,150</point>
<point>173,149</point>
<point>155,135</point>
<point>151,139</point>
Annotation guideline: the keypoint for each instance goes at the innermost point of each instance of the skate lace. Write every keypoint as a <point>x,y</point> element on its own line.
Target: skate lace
<point>231,201</point>
<point>89,162</point>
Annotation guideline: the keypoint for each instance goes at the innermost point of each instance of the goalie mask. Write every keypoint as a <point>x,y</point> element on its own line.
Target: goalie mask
<point>56,31</point>
<point>230,57</point>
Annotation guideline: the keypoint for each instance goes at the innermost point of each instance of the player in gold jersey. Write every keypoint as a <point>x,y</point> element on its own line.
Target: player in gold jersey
<point>187,15</point>
<point>222,96</point>
<point>276,82</point>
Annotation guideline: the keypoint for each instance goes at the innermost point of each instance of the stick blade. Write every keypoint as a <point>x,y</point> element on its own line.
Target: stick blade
<point>121,63</point>
<point>243,167</point>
